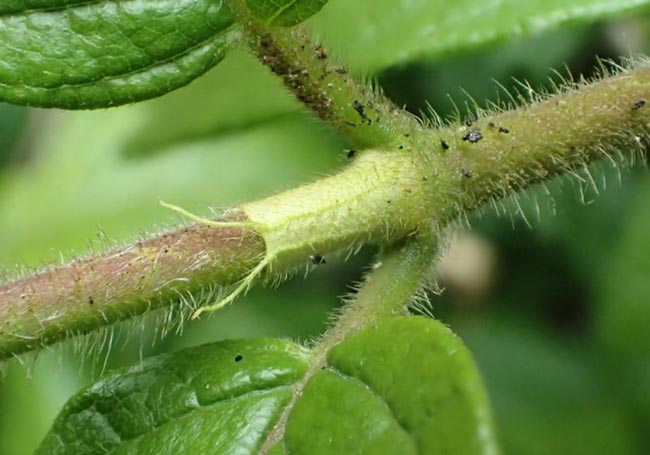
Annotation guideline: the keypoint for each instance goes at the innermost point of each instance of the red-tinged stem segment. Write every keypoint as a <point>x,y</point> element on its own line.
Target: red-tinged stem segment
<point>86,294</point>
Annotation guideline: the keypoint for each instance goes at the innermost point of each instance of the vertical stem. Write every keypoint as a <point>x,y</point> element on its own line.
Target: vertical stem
<point>387,291</point>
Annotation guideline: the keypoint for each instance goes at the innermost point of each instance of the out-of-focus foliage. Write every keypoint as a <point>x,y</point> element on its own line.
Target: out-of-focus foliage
<point>375,34</point>
<point>558,334</point>
<point>284,12</point>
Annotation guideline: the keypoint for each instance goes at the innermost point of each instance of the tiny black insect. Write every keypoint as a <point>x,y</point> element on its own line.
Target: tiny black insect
<point>351,154</point>
<point>361,110</point>
<point>467,173</point>
<point>401,147</point>
<point>444,144</point>
<point>473,136</point>
<point>317,259</point>
<point>638,105</point>
<point>239,358</point>
<point>503,130</point>
<point>91,301</point>
<point>341,70</point>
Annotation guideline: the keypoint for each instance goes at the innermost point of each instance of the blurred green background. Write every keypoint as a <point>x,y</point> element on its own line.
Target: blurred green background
<point>554,307</point>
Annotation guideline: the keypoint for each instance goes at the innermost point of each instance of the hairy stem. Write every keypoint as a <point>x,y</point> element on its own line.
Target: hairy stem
<point>499,154</point>
<point>354,108</point>
<point>91,293</point>
<point>423,181</point>
<point>387,291</point>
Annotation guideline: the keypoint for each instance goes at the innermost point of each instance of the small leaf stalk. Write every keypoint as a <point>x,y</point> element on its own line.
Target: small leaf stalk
<point>402,271</point>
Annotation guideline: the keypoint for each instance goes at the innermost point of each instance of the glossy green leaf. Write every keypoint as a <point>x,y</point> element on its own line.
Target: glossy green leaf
<point>374,34</point>
<point>216,398</point>
<point>76,54</point>
<point>284,12</point>
<point>406,386</point>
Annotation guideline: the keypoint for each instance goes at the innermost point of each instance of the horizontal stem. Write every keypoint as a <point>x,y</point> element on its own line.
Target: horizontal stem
<point>500,154</point>
<point>434,176</point>
<point>384,195</point>
<point>90,293</point>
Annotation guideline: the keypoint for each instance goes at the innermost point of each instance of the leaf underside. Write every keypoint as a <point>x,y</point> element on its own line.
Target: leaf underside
<point>407,386</point>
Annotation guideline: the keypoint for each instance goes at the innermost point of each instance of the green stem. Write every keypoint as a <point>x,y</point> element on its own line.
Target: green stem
<point>425,182</point>
<point>357,110</point>
<point>436,176</point>
<point>401,271</point>
<point>399,274</point>
<point>608,119</point>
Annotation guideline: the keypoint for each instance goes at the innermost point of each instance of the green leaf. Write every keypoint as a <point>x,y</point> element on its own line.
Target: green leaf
<point>284,12</point>
<point>216,398</point>
<point>405,386</point>
<point>79,55</point>
<point>374,34</point>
